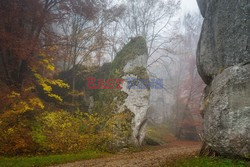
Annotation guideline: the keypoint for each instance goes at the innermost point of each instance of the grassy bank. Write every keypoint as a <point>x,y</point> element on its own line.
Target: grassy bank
<point>49,160</point>
<point>209,162</point>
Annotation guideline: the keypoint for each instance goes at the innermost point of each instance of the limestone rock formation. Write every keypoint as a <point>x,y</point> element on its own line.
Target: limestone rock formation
<point>223,59</point>
<point>132,61</point>
<point>130,65</point>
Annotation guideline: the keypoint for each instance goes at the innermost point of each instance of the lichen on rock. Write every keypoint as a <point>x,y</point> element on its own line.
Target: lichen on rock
<point>130,62</point>
<point>225,36</point>
<point>227,117</point>
<point>223,57</point>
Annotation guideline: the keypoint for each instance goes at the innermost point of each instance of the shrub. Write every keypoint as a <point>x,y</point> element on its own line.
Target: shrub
<point>57,132</point>
<point>107,133</point>
<point>61,131</point>
<point>15,136</point>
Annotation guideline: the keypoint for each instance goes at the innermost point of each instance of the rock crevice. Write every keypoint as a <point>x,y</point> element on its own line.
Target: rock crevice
<point>223,63</point>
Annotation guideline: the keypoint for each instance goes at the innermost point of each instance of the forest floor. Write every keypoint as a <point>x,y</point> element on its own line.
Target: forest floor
<point>149,157</point>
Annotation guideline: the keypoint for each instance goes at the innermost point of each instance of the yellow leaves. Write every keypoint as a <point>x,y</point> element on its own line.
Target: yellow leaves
<point>13,95</point>
<point>59,120</point>
<point>15,134</point>
<point>105,131</point>
<point>58,131</point>
<point>23,106</point>
<point>45,61</point>
<point>46,87</point>
<point>91,122</point>
<point>36,102</point>
<point>20,103</point>
<point>55,97</point>
<point>59,83</point>
<point>92,117</point>
<point>45,83</point>
<point>76,93</point>
<point>50,67</point>
<point>10,131</point>
<point>29,89</point>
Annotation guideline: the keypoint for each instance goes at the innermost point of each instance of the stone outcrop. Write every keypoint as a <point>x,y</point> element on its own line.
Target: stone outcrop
<point>137,102</point>
<point>132,61</point>
<point>226,108</point>
<point>129,64</point>
<point>224,38</point>
<point>223,61</point>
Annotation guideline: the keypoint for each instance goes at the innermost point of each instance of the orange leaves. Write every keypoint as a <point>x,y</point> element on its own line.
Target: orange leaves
<point>15,134</point>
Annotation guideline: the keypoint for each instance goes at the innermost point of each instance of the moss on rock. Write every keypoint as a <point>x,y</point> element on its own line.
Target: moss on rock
<point>137,46</point>
<point>113,101</point>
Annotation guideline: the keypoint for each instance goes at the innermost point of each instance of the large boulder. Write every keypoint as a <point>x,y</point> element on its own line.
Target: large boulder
<point>203,6</point>
<point>225,35</point>
<point>226,107</point>
<point>223,61</point>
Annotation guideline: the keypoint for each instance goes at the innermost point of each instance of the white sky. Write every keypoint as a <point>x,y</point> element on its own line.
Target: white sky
<point>189,6</point>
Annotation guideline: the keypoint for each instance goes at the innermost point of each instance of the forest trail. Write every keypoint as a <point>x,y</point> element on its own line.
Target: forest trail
<point>151,157</point>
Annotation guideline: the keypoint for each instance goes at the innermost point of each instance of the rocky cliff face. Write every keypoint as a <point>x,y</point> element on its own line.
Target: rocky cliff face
<point>130,65</point>
<point>224,38</point>
<point>223,61</point>
<point>133,66</point>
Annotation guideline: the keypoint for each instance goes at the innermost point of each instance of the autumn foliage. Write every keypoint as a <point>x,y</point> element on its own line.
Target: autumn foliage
<point>31,45</point>
<point>49,47</point>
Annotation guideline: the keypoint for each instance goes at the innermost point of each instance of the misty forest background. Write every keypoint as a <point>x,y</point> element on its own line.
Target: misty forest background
<point>47,48</point>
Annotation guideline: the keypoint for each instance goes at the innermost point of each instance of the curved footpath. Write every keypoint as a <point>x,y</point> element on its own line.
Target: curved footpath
<point>153,157</point>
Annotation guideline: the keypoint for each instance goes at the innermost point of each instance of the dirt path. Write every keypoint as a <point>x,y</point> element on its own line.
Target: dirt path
<point>149,158</point>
